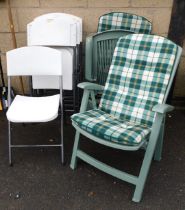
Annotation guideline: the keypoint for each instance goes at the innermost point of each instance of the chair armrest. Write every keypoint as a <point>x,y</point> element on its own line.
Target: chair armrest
<point>90,86</point>
<point>162,108</point>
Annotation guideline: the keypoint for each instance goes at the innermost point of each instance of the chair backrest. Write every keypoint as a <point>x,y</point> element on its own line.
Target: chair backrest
<point>98,54</point>
<point>34,61</point>
<point>140,77</point>
<point>48,82</point>
<point>124,21</point>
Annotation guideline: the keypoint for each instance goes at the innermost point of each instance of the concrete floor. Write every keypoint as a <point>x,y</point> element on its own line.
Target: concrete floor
<point>38,181</point>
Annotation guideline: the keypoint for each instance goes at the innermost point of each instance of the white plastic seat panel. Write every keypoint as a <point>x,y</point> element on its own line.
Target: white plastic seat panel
<point>33,109</point>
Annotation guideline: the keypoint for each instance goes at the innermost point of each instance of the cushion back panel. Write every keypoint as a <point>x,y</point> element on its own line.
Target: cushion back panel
<point>124,21</point>
<point>138,77</point>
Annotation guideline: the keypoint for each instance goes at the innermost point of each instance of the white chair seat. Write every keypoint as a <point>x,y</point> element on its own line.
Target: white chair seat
<point>33,109</point>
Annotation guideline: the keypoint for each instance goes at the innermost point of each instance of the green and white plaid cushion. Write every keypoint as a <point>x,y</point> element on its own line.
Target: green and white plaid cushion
<point>105,126</point>
<point>124,21</point>
<point>137,80</point>
<point>138,77</point>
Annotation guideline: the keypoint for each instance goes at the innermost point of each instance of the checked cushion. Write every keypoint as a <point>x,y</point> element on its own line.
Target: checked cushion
<point>138,77</point>
<point>124,21</point>
<point>105,126</point>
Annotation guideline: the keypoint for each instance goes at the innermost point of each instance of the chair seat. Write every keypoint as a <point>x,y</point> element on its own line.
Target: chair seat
<point>109,128</point>
<point>33,109</point>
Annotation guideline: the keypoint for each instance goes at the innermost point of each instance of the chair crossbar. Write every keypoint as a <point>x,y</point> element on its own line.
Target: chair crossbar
<point>36,145</point>
<point>106,168</point>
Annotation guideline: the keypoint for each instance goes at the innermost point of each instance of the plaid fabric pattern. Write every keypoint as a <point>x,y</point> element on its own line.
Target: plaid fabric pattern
<point>109,128</point>
<point>138,77</point>
<point>124,21</point>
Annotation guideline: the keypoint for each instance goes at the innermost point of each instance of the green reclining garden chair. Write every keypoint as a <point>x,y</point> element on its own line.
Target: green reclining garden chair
<point>132,108</point>
<point>100,46</point>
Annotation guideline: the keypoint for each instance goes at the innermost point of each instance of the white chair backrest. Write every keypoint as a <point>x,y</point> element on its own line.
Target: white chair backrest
<point>48,82</point>
<point>35,61</point>
<point>78,20</point>
<point>52,32</point>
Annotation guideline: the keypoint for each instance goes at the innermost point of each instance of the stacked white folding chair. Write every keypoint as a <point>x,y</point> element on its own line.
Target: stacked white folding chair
<point>34,61</point>
<point>62,32</point>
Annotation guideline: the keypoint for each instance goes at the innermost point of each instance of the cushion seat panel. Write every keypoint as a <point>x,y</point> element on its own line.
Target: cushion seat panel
<point>109,128</point>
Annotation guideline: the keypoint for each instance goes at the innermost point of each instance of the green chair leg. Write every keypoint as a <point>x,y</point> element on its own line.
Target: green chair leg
<point>143,173</point>
<point>159,146</point>
<point>75,148</point>
<point>142,177</point>
<point>147,159</point>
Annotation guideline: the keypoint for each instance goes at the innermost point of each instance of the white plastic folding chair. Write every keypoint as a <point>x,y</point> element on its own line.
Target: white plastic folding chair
<point>34,61</point>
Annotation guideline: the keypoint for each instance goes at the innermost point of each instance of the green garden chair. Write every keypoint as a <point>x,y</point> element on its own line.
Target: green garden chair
<point>132,109</point>
<point>124,21</point>
<point>100,46</point>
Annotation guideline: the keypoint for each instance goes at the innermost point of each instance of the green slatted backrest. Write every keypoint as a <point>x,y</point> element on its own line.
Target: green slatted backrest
<point>138,77</point>
<point>124,21</point>
<point>99,51</point>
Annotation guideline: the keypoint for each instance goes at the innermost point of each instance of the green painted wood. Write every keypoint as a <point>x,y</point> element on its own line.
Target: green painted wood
<point>85,100</point>
<point>73,163</point>
<point>163,108</point>
<point>148,158</point>
<point>88,60</point>
<point>90,86</point>
<point>107,169</point>
<point>159,146</point>
<point>93,99</point>
<point>99,50</point>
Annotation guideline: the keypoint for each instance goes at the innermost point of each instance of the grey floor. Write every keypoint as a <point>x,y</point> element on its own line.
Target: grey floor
<point>37,180</point>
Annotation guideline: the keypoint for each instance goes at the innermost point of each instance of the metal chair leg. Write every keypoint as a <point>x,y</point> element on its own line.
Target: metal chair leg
<point>9,144</point>
<point>62,141</point>
<point>61,136</point>
<point>61,120</point>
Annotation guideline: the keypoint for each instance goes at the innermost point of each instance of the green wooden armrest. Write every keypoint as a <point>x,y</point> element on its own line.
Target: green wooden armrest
<point>90,86</point>
<point>89,91</point>
<point>162,108</point>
